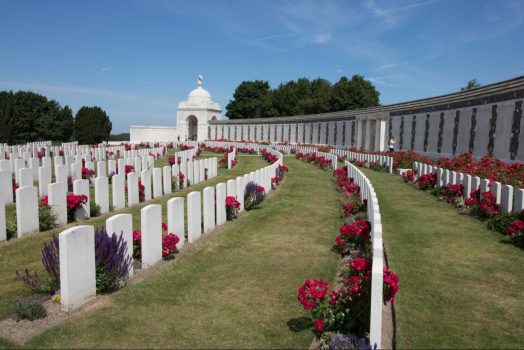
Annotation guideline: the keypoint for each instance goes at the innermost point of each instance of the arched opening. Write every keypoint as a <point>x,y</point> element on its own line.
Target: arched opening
<point>192,128</point>
<point>213,118</point>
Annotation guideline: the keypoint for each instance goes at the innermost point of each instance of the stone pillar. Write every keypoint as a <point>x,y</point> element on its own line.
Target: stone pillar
<point>367,139</point>
<point>359,133</point>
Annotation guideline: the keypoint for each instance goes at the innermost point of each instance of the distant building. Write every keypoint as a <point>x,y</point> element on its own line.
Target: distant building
<point>193,116</point>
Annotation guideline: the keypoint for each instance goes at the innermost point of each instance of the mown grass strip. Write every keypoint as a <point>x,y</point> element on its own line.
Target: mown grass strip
<point>234,289</point>
<point>461,285</point>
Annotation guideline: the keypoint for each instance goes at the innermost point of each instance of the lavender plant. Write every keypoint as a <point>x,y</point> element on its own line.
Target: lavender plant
<point>348,342</point>
<point>253,195</point>
<point>112,261</point>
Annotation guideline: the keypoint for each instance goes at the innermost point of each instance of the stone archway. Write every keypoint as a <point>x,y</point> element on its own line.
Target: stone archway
<point>192,128</point>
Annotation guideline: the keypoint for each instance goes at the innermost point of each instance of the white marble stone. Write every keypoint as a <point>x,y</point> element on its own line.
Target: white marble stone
<point>506,199</point>
<point>33,164</point>
<point>196,172</point>
<point>132,189</point>
<point>102,193</point>
<point>61,173</point>
<point>82,187</point>
<point>118,190</point>
<point>194,217</point>
<point>466,183</point>
<point>6,189</point>
<point>157,182</point>
<point>3,234</point>
<point>111,166</point>
<point>101,168</point>
<point>121,169</point>
<point>239,191</point>
<point>26,210</point>
<point>209,209</point>
<point>151,228</point>
<point>77,266</point>
<point>44,179</point>
<point>145,177</point>
<point>475,183</point>
<point>202,168</point>
<point>167,179</point>
<point>484,185</point>
<point>231,188</point>
<point>175,219</point>
<point>519,200</point>
<point>76,171</point>
<point>25,177</point>
<point>57,199</point>
<point>221,203</point>
<point>18,164</point>
<point>122,224</point>
<point>496,190</point>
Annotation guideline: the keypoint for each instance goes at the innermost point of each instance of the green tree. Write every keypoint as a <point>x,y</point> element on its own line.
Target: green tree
<point>92,125</point>
<point>472,84</point>
<point>252,99</point>
<point>6,116</point>
<point>353,94</point>
<point>65,125</point>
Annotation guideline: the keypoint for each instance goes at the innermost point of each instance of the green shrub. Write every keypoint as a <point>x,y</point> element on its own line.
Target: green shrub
<point>501,223</point>
<point>95,209</point>
<point>28,309</point>
<point>10,229</point>
<point>46,218</point>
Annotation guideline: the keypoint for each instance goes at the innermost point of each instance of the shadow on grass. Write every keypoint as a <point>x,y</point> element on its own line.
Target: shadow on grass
<point>299,324</point>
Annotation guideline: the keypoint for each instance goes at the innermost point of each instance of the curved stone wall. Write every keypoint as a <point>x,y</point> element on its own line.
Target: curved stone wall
<point>483,121</point>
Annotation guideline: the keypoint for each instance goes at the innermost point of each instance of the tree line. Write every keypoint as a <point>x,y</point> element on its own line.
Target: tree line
<point>26,116</point>
<point>256,99</point>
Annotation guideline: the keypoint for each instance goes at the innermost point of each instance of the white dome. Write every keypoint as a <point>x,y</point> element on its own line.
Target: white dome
<point>199,94</point>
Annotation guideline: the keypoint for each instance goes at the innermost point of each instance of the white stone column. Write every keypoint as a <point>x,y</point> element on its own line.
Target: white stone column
<point>359,133</point>
<point>77,266</point>
<point>367,145</point>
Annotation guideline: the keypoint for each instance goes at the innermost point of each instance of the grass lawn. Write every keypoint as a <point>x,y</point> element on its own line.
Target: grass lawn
<point>233,289</point>
<point>461,285</point>
<point>18,254</point>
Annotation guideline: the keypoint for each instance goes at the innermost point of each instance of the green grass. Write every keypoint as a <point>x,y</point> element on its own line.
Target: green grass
<point>461,285</point>
<point>233,289</point>
<point>18,254</point>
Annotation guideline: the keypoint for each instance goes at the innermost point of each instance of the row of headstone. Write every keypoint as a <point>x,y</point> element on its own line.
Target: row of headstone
<point>385,161</point>
<point>509,198</point>
<point>367,193</point>
<point>205,211</point>
<point>333,158</point>
<point>157,182</point>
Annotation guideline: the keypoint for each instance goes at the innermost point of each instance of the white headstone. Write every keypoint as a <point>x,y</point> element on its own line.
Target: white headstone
<point>61,173</point>
<point>57,199</point>
<point>484,185</point>
<point>519,201</point>
<point>77,266</point>
<point>132,189</point>
<point>466,183</point>
<point>44,179</point>
<point>102,193</point>
<point>82,187</point>
<point>175,171</point>
<point>239,191</point>
<point>118,189</point>
<point>25,177</point>
<point>121,166</point>
<point>157,182</point>
<point>101,168</point>
<point>231,188</point>
<point>175,219</point>
<point>209,209</point>
<point>496,189</point>
<point>221,203</point>
<point>145,177</point>
<point>26,211</point>
<point>6,189</point>
<point>151,227</point>
<point>166,177</point>
<point>196,172</point>
<point>3,235</point>
<point>194,217</point>
<point>122,224</point>
<point>475,183</point>
<point>111,166</point>
<point>76,171</point>
<point>506,199</point>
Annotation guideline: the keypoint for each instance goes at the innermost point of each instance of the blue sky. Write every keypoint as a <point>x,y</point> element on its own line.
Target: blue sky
<point>138,58</point>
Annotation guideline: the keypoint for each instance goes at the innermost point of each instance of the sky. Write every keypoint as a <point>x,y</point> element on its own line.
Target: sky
<point>137,59</point>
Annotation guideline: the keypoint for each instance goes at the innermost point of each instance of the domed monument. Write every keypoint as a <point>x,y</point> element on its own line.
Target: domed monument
<point>193,116</point>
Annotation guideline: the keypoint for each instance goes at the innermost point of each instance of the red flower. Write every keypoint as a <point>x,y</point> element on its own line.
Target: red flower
<point>129,169</point>
<point>319,325</point>
<point>171,161</point>
<point>232,202</point>
<point>310,291</point>
<point>164,227</point>
<point>261,189</point>
<point>360,265</point>
<point>44,201</point>
<point>390,285</point>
